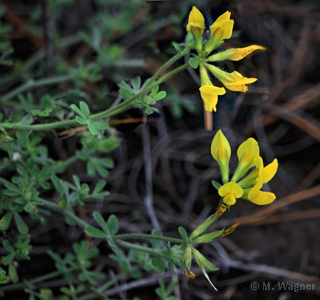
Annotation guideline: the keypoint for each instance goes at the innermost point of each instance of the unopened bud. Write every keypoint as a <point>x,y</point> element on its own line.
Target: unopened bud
<point>230,230</point>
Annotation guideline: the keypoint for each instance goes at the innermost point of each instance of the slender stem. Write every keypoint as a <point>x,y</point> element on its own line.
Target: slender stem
<point>147,236</point>
<point>167,64</point>
<point>83,224</point>
<point>31,83</point>
<point>105,286</point>
<point>68,213</point>
<point>128,103</point>
<point>21,285</point>
<point>108,113</point>
<point>139,248</point>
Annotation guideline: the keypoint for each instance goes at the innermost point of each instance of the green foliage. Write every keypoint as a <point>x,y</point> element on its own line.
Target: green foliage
<point>216,184</point>
<point>144,102</point>
<point>163,292</point>
<point>19,250</point>
<point>84,118</point>
<point>194,62</point>
<point>46,164</point>
<point>183,233</point>
<point>3,277</point>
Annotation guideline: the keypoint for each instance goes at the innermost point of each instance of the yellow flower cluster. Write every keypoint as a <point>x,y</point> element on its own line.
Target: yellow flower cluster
<point>220,30</point>
<point>250,174</point>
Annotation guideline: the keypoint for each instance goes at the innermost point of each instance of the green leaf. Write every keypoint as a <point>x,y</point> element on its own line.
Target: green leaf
<point>5,220</point>
<point>78,111</point>
<point>156,243</point>
<point>92,129</point>
<point>159,264</point>
<point>136,82</point>
<point>45,113</point>
<point>113,224</point>
<point>160,95</point>
<point>91,168</point>
<point>85,109</point>
<point>126,94</point>
<point>5,125</point>
<point>216,184</point>
<point>81,120</point>
<point>13,273</point>
<point>95,232</point>
<point>100,185</point>
<point>3,278</point>
<point>99,219</point>
<point>100,125</point>
<point>22,227</point>
<point>207,238</point>
<point>194,63</point>
<point>183,234</point>
<point>176,46</point>
<point>171,287</point>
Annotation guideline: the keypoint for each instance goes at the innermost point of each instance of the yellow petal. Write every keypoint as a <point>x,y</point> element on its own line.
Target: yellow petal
<point>222,30</point>
<point>247,151</point>
<point>230,188</point>
<point>220,147</point>
<point>263,198</point>
<point>222,27</point>
<point>229,199</point>
<point>269,171</point>
<point>240,53</point>
<point>224,17</point>
<point>236,82</point>
<point>209,95</point>
<point>196,19</point>
<point>255,190</point>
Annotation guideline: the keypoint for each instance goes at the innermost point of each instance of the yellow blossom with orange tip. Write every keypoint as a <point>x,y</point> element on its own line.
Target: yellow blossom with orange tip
<point>230,192</point>
<point>233,81</point>
<point>236,82</point>
<point>209,95</point>
<point>234,54</point>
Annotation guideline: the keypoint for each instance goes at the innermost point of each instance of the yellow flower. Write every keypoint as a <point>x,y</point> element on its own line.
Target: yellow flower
<point>263,198</point>
<point>236,82</point>
<point>235,54</point>
<point>209,95</point>
<point>264,175</point>
<point>196,21</point>
<point>240,53</point>
<point>233,81</point>
<point>221,152</point>
<point>246,153</point>
<point>269,171</point>
<point>222,28</point>
<point>230,192</point>
<point>220,147</point>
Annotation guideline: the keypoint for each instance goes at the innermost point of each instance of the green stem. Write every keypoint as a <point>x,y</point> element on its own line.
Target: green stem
<point>167,65</point>
<point>140,248</point>
<point>83,224</point>
<point>128,103</point>
<point>31,83</point>
<point>147,236</point>
<point>21,285</point>
<point>105,286</point>
<point>68,213</point>
<point>108,113</point>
